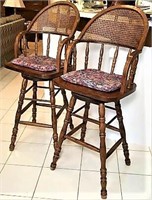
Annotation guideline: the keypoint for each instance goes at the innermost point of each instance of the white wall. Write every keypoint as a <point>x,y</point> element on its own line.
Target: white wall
<point>137,107</point>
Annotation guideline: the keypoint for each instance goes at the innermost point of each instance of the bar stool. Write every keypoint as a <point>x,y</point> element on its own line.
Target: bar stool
<point>59,19</point>
<point>93,81</point>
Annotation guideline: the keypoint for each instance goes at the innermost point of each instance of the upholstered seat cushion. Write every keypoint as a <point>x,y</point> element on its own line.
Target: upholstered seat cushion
<point>94,79</point>
<point>40,63</point>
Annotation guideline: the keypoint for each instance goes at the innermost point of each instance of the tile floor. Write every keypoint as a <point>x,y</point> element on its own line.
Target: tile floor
<point>25,172</point>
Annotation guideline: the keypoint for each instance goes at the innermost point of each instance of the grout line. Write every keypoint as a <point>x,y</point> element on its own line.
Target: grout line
<point>6,161</point>
<point>4,116</point>
<point>140,150</point>
<point>21,165</point>
<point>119,175</point>
<point>22,142</point>
<point>80,174</point>
<point>41,169</point>
<point>134,174</point>
<point>2,168</point>
<point>7,195</point>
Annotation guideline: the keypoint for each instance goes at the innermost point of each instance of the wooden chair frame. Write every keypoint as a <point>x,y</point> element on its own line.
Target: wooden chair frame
<point>60,18</point>
<point>101,29</point>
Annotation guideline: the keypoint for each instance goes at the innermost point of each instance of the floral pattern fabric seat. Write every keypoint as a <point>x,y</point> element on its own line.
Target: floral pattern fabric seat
<point>39,63</point>
<point>94,79</point>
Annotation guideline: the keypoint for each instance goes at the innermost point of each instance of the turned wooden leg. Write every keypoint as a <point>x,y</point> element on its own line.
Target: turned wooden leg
<point>18,114</point>
<point>85,118</point>
<point>53,113</point>
<point>103,170</point>
<point>122,132</point>
<point>63,132</point>
<point>65,100</point>
<point>34,109</point>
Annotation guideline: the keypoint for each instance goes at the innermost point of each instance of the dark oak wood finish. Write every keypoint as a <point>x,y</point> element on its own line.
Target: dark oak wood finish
<point>59,19</point>
<point>114,27</point>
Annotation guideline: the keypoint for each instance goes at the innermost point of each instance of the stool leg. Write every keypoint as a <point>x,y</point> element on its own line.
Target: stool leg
<point>85,118</point>
<point>18,114</point>
<point>53,113</point>
<point>34,109</point>
<point>63,132</point>
<point>103,170</point>
<point>66,105</point>
<point>122,132</point>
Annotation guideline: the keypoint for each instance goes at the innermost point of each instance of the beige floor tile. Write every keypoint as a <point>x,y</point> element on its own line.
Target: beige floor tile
<point>6,103</point>
<point>136,187</point>
<point>6,131</point>
<point>10,117</point>
<point>36,135</point>
<point>90,188</point>
<point>4,151</point>
<point>141,163</point>
<point>6,76</point>
<point>70,157</point>
<point>28,154</point>
<point>91,161</point>
<point>61,184</point>
<point>2,114</point>
<point>18,180</point>
<point>8,92</point>
<point>136,147</point>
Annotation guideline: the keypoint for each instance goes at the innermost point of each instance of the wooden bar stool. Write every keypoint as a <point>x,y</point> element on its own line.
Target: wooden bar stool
<point>59,19</point>
<point>93,81</point>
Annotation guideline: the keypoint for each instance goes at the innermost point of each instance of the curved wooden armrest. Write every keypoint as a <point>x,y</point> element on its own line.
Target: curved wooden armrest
<point>69,51</point>
<point>18,42</point>
<point>129,70</point>
<point>64,43</point>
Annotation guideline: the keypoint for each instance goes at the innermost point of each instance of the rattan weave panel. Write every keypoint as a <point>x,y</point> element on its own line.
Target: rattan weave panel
<point>55,20</point>
<point>119,20</point>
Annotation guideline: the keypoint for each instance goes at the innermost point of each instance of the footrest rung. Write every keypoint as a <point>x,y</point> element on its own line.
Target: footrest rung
<point>36,124</point>
<point>85,144</point>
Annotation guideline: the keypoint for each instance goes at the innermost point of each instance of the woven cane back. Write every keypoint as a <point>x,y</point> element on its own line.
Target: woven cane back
<point>109,26</point>
<point>55,19</point>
